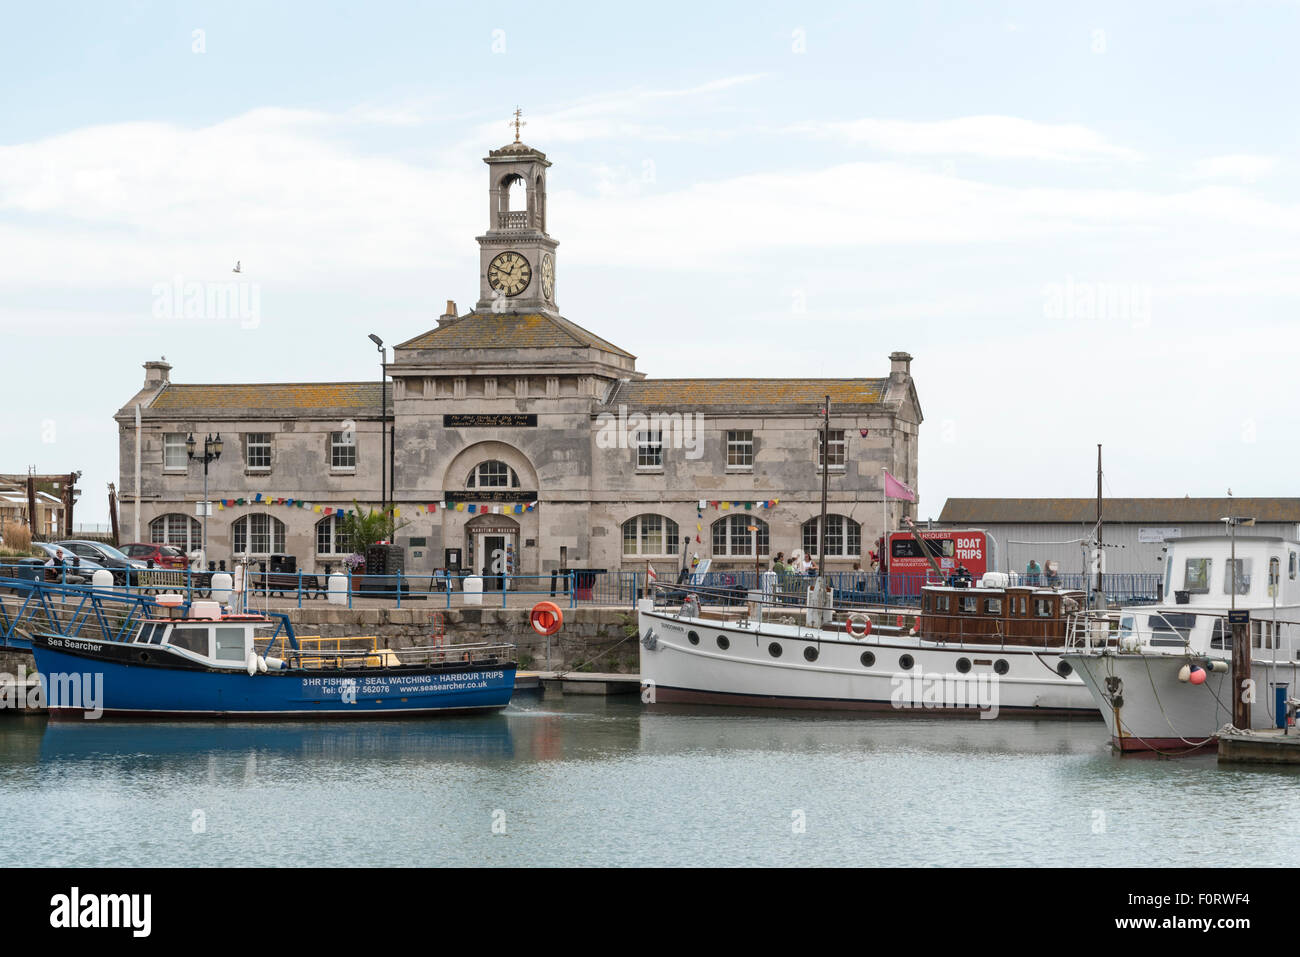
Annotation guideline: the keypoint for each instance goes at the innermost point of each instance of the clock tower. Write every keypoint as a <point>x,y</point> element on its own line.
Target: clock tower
<point>516,256</point>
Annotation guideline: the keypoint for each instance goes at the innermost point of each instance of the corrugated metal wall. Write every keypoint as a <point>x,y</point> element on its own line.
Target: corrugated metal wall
<point>1125,554</point>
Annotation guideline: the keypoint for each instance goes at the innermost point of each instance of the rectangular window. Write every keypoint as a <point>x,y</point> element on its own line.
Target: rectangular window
<point>1196,579</point>
<point>629,537</point>
<point>1242,567</point>
<point>191,639</point>
<point>257,450</point>
<point>969,604</point>
<point>941,603</point>
<point>229,644</point>
<point>1171,629</point>
<point>1291,566</point>
<point>992,606</point>
<point>175,458</point>
<point>740,449</point>
<point>343,450</point>
<point>1042,608</point>
<point>838,448</point>
<point>649,450</point>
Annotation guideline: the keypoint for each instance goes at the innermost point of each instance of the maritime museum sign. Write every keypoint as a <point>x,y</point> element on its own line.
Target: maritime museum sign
<point>476,420</point>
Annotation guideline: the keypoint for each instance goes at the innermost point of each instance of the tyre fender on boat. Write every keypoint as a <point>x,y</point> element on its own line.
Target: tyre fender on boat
<point>858,626</point>
<point>546,618</point>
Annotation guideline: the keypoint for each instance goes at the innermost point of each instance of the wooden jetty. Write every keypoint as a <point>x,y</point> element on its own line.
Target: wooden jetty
<point>1265,746</point>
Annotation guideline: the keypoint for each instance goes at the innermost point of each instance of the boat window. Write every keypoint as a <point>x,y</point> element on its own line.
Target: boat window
<point>1243,576</point>
<point>1125,625</point>
<point>1196,580</point>
<point>191,639</point>
<point>969,604</point>
<point>146,633</point>
<point>1291,566</point>
<point>1043,607</point>
<point>941,603</point>
<point>229,644</point>
<point>1274,575</point>
<point>159,633</point>
<point>992,606</point>
<point>1220,637</point>
<point>1169,573</point>
<point>1022,604</point>
<point>1171,628</point>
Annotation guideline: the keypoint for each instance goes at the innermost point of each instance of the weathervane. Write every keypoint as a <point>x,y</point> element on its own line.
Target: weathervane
<point>517,122</point>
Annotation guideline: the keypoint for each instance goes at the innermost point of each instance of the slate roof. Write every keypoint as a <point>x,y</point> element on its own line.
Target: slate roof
<point>1117,510</point>
<point>779,393</point>
<point>489,330</point>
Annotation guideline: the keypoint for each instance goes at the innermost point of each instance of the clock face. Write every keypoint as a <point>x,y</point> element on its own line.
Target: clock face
<point>548,277</point>
<point>509,273</point>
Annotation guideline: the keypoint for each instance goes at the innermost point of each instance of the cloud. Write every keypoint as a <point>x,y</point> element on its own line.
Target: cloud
<point>994,137</point>
<point>1241,167</point>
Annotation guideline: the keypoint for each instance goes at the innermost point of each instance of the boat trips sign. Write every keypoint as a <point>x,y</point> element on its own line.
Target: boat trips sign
<point>385,686</point>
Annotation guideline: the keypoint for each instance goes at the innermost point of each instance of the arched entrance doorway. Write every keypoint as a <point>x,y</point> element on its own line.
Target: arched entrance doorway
<point>492,549</point>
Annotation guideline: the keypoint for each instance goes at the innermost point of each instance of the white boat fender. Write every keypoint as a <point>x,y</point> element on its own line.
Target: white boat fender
<point>261,664</point>
<point>1218,667</point>
<point>273,663</point>
<point>251,664</point>
<point>1184,673</point>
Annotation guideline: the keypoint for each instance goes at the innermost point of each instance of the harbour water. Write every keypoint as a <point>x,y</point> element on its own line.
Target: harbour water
<point>582,781</point>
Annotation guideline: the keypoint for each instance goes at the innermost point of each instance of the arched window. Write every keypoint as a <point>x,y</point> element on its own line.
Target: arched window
<point>650,535</point>
<point>732,537</point>
<point>843,537</point>
<point>492,474</point>
<point>331,538</point>
<point>171,529</point>
<point>259,534</point>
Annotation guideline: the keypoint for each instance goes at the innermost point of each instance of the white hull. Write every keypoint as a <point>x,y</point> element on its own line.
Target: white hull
<point>1157,712</point>
<point>869,674</point>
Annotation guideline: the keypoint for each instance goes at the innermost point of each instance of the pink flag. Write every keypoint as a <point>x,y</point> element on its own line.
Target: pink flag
<point>896,489</point>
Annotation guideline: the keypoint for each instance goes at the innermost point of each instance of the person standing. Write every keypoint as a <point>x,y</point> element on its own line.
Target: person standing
<point>1032,572</point>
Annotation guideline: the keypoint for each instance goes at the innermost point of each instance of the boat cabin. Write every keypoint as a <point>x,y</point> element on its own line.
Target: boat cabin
<point>204,634</point>
<point>1012,615</point>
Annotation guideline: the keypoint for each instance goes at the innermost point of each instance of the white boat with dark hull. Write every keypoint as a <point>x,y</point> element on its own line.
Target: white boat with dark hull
<point>986,651</point>
<point>1161,675</point>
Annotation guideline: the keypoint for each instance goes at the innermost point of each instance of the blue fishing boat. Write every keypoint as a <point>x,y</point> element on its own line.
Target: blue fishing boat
<point>195,660</point>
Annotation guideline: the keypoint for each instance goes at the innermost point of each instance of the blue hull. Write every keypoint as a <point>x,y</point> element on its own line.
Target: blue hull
<point>122,689</point>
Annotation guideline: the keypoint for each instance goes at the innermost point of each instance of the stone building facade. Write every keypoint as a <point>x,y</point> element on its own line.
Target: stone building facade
<point>522,442</point>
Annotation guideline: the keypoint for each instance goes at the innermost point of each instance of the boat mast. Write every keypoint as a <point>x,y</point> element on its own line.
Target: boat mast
<point>826,463</point>
<point>1100,599</point>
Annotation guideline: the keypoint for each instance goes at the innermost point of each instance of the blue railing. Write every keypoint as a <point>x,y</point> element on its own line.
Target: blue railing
<point>571,587</point>
<point>28,605</point>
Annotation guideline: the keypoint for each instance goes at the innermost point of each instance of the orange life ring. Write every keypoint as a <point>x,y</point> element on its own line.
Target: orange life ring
<point>862,620</point>
<point>546,618</point>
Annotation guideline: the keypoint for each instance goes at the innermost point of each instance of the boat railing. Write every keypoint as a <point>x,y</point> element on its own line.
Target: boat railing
<point>1091,631</point>
<point>364,651</point>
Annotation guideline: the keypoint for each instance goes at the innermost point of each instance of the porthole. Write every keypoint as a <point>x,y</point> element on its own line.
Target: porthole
<point>810,653</point>
<point>774,649</point>
<point>905,662</point>
<point>963,665</point>
<point>1002,666</point>
<point>693,637</point>
<point>868,659</point>
<point>1063,669</point>
<point>724,642</point>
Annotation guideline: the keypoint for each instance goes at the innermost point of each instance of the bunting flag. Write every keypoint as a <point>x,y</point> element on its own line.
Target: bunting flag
<point>425,508</point>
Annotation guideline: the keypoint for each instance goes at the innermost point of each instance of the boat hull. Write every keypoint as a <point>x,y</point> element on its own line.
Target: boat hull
<point>86,678</point>
<point>1146,707</point>
<point>948,680</point>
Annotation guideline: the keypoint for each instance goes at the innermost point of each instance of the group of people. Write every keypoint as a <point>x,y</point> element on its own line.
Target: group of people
<point>799,564</point>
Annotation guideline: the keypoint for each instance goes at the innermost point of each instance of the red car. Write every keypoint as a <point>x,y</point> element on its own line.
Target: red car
<point>162,556</point>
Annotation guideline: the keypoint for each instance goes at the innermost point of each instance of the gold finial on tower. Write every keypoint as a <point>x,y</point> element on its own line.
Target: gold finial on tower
<point>517,122</point>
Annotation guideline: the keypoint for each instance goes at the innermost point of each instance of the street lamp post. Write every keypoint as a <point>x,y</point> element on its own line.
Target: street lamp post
<point>383,422</point>
<point>211,452</point>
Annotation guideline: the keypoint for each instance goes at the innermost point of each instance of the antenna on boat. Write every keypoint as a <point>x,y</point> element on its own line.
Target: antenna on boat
<point>821,613</point>
<point>1100,596</point>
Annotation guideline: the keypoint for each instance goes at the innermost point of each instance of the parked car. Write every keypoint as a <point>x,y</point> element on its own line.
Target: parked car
<point>162,556</point>
<point>106,555</point>
<point>75,570</point>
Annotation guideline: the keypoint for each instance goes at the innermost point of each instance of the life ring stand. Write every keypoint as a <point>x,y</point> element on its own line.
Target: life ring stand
<point>546,618</point>
<point>854,620</point>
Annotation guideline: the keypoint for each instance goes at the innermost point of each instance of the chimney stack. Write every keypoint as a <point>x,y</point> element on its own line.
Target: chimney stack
<point>157,373</point>
<point>900,365</point>
<point>449,315</point>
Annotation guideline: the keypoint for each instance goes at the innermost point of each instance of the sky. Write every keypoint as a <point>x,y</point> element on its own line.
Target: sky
<point>1081,220</point>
